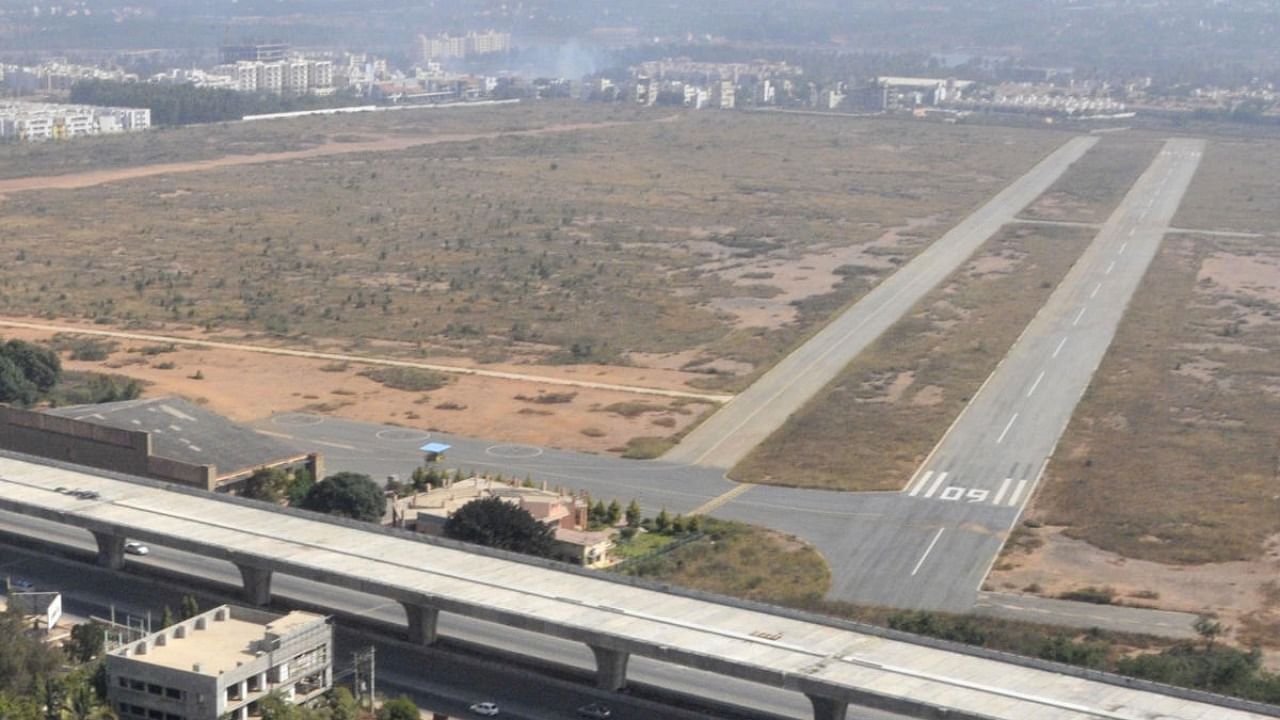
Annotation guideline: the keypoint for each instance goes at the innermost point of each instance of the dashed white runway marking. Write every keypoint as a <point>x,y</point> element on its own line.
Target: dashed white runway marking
<point>1078,316</point>
<point>936,484</point>
<point>927,550</point>
<point>920,485</point>
<point>1132,231</point>
<point>1004,488</point>
<point>1122,248</point>
<point>1017,493</point>
<point>1096,288</point>
<point>1035,384</point>
<point>1059,348</point>
<point>1110,267</point>
<point>1006,429</point>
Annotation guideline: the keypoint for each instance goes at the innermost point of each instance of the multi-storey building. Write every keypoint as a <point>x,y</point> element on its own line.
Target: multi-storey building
<point>24,121</point>
<point>221,664</point>
<point>270,77</point>
<point>296,78</point>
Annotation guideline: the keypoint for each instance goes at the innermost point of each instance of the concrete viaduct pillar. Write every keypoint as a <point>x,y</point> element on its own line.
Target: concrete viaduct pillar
<point>257,584</point>
<point>422,623</point>
<point>611,668</point>
<point>110,550</point>
<point>828,709</point>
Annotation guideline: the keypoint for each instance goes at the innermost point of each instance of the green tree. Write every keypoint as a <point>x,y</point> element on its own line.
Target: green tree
<point>401,708</point>
<point>15,388</point>
<point>166,617</point>
<point>663,522</point>
<point>190,607</point>
<point>266,484</point>
<point>613,514</point>
<point>599,514</point>
<point>633,514</point>
<point>677,525</point>
<point>86,642</point>
<point>41,366</point>
<point>496,523</point>
<point>347,494</point>
<point>25,662</point>
<point>694,524</point>
<point>299,486</point>
<point>81,702</point>
<point>343,705</point>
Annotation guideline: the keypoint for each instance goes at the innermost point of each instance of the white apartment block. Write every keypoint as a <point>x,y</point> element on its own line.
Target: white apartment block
<point>221,664</point>
<point>295,77</point>
<point>445,46</point>
<point>247,76</point>
<point>320,74</point>
<point>270,77</point>
<point>23,121</point>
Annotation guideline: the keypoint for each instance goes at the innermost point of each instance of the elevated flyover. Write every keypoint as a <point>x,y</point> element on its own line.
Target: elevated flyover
<point>834,664</point>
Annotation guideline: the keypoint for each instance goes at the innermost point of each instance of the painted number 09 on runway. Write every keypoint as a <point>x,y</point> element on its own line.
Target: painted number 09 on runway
<point>973,495</point>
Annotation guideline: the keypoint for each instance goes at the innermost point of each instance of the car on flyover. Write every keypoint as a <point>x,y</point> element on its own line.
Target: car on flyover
<point>136,548</point>
<point>595,711</point>
<point>486,709</point>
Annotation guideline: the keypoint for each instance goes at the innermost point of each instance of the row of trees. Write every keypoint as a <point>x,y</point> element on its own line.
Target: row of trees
<point>188,104</point>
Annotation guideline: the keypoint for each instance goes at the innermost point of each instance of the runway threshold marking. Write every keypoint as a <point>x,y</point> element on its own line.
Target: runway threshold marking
<point>1004,488</point>
<point>1006,429</point>
<point>1017,492</point>
<point>927,550</point>
<point>924,480</point>
<point>716,502</point>
<point>936,484</point>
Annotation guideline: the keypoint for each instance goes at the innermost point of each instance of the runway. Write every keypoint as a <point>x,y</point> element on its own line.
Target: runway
<point>744,422</point>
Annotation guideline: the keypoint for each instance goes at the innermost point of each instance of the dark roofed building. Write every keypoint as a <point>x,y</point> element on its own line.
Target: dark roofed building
<point>184,432</point>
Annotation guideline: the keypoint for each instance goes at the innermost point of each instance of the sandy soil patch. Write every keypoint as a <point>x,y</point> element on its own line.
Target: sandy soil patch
<point>247,386</point>
<point>1257,277</point>
<point>807,275</point>
<point>1242,594</point>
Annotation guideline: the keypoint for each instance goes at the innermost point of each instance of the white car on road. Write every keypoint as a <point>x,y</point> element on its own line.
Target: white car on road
<point>136,548</point>
<point>487,709</point>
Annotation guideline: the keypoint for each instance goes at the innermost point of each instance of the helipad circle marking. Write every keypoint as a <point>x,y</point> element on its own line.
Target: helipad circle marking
<point>513,452</point>
<point>401,435</point>
<point>298,420</point>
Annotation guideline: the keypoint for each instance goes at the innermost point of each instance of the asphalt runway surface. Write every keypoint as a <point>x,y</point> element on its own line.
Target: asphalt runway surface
<point>744,422</point>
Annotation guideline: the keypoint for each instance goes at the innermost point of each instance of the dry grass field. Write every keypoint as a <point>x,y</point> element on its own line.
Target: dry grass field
<point>871,427</point>
<point>1164,487</point>
<point>704,242</point>
<point>1171,455</point>
<point>1093,186</point>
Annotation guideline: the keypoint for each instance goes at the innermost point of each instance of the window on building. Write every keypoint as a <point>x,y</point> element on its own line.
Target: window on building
<point>124,683</point>
<point>155,689</point>
<point>137,685</point>
<point>155,715</point>
<point>174,693</point>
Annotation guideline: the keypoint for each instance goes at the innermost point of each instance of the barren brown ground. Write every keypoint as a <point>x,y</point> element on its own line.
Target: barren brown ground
<point>247,386</point>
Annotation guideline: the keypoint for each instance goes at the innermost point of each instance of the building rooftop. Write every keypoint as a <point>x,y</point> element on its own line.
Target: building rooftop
<point>225,643</point>
<point>183,431</point>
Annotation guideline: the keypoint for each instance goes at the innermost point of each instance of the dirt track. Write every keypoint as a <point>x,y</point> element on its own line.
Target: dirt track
<point>73,181</point>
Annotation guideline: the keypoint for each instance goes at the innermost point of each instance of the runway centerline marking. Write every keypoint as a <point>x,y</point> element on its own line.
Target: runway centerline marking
<point>1006,429</point>
<point>936,484</point>
<point>1059,348</point>
<point>1078,316</point>
<point>920,485</point>
<point>1035,384</point>
<point>1004,488</point>
<point>1096,288</point>
<point>927,550</point>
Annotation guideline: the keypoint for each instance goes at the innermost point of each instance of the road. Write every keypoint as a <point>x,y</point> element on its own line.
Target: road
<point>91,591</point>
<point>974,484</point>
<point>726,437</point>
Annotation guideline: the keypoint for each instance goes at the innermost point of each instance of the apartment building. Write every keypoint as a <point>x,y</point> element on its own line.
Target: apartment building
<point>24,121</point>
<point>221,664</point>
<point>445,46</point>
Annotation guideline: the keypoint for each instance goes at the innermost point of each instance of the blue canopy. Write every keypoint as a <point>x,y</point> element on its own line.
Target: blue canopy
<point>436,448</point>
